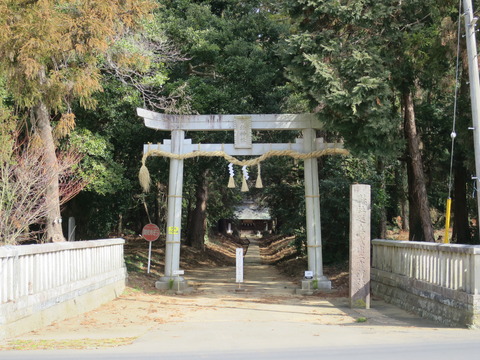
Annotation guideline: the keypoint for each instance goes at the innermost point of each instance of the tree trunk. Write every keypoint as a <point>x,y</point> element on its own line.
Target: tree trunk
<point>461,228</point>
<point>53,221</point>
<point>403,183</point>
<point>382,226</point>
<point>198,221</point>
<point>404,214</point>
<point>415,224</point>
<point>401,196</point>
<point>421,228</point>
<point>161,205</point>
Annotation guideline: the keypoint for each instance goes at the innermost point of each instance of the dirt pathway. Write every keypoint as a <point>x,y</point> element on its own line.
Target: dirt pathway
<point>259,279</point>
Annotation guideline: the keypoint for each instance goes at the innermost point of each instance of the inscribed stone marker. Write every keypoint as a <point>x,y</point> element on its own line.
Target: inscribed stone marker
<point>243,132</point>
<point>360,209</point>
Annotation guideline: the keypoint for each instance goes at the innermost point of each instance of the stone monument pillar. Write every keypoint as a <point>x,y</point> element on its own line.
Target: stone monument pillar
<point>360,209</point>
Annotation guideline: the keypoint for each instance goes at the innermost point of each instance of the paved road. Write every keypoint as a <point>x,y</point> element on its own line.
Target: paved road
<point>445,351</point>
<point>267,322</point>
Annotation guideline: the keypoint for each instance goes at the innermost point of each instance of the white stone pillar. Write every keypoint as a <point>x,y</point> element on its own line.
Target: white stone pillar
<point>174,213</point>
<point>312,203</point>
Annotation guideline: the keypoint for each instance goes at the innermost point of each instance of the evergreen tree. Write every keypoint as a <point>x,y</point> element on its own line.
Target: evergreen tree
<point>232,67</point>
<point>49,56</point>
<point>365,66</point>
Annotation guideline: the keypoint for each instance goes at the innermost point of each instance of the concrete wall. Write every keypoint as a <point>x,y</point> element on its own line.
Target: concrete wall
<point>437,281</point>
<point>40,284</point>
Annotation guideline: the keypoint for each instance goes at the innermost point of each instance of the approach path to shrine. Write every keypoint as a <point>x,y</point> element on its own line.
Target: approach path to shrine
<point>264,321</point>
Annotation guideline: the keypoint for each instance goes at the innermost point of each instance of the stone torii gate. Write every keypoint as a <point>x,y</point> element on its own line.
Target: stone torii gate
<point>179,148</point>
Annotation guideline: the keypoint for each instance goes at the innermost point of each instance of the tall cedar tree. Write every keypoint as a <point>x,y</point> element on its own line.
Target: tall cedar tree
<point>363,65</point>
<point>50,55</point>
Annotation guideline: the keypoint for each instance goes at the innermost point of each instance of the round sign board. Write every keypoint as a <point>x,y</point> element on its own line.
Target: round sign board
<point>151,232</point>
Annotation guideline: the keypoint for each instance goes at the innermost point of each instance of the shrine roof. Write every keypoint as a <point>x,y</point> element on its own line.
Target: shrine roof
<point>251,211</point>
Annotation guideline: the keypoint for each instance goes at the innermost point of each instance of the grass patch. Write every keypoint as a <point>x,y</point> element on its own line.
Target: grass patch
<point>77,344</point>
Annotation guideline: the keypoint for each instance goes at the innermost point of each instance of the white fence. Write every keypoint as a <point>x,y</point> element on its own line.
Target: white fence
<point>38,278</point>
<point>451,266</point>
<point>442,274</point>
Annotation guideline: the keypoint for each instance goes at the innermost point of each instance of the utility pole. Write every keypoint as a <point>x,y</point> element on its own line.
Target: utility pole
<point>470,26</point>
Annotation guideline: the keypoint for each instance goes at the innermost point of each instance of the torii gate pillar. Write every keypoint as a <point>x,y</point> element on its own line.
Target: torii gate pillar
<point>174,212</point>
<point>312,204</point>
<point>242,125</point>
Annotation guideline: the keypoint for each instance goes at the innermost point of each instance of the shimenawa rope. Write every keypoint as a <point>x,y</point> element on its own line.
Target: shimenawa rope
<point>144,175</point>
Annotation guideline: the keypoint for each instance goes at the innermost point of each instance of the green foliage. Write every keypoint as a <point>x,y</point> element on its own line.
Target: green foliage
<point>54,55</point>
<point>285,195</point>
<point>98,168</point>
<point>112,138</point>
<point>346,60</point>
<point>231,67</point>
<point>336,176</point>
<point>348,78</point>
<point>352,58</point>
<point>352,61</point>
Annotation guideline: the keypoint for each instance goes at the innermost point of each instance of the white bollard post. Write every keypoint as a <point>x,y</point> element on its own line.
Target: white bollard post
<point>71,228</point>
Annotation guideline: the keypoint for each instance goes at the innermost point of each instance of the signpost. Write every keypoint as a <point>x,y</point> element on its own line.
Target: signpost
<point>308,275</point>
<point>239,267</point>
<point>150,232</point>
<point>178,273</point>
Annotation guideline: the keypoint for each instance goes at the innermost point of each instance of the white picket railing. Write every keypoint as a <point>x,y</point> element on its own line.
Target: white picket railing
<point>33,269</point>
<point>455,267</point>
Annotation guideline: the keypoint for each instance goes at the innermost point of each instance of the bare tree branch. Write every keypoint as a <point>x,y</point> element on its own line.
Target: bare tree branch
<point>24,179</point>
<point>158,53</point>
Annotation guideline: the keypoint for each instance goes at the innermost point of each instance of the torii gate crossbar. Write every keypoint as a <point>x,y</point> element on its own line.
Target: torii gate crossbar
<point>242,125</point>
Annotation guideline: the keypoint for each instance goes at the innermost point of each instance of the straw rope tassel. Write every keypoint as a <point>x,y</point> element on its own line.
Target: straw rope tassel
<point>259,184</point>
<point>144,178</point>
<point>244,184</point>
